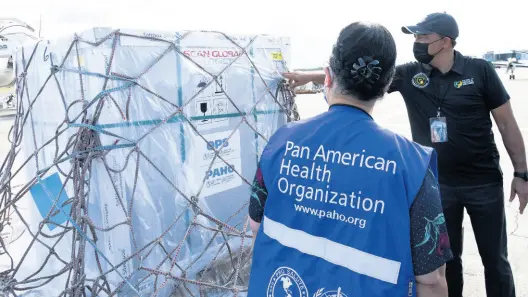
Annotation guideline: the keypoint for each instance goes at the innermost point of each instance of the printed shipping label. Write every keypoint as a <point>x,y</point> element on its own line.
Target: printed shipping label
<point>222,176</point>
<point>276,56</point>
<point>212,105</point>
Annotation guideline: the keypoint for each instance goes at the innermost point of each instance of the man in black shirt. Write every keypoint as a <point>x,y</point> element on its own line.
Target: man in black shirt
<point>449,98</point>
<point>458,94</point>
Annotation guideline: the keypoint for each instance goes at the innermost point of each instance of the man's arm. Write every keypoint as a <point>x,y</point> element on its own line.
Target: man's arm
<point>399,78</point>
<point>513,141</point>
<point>429,240</point>
<point>318,77</point>
<point>498,102</point>
<point>511,135</point>
<point>297,79</point>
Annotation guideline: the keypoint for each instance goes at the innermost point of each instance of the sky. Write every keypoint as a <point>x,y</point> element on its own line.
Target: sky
<point>312,25</point>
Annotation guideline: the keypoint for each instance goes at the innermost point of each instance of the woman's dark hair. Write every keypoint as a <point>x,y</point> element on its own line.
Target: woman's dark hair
<point>363,60</point>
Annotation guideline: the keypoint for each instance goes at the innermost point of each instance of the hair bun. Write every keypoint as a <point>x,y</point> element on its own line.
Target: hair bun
<point>367,72</point>
<point>363,61</point>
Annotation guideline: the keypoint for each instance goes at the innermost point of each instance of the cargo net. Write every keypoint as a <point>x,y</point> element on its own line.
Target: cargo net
<point>221,276</point>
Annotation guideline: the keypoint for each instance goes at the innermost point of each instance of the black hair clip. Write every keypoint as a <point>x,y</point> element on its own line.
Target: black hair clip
<point>367,69</point>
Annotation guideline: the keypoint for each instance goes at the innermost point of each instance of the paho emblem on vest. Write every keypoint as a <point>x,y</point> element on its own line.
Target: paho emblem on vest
<point>286,282</point>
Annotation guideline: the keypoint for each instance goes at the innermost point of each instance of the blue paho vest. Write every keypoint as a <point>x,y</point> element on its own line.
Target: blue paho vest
<point>337,216</point>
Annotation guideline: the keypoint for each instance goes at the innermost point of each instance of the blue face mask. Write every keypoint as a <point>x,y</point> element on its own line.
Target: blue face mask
<point>324,95</point>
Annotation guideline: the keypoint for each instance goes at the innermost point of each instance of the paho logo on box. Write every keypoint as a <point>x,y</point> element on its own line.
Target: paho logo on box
<point>217,144</point>
<point>223,150</point>
<point>220,171</point>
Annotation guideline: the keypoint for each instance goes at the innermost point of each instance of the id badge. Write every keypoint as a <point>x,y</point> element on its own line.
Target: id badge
<point>438,129</point>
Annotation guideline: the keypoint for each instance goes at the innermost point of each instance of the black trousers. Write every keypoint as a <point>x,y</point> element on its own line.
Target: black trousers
<point>485,207</point>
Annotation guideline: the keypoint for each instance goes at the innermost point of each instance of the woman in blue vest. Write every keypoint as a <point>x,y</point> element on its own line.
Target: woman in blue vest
<point>342,207</point>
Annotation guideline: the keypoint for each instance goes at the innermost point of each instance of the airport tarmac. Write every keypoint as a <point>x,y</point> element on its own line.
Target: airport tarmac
<point>391,113</point>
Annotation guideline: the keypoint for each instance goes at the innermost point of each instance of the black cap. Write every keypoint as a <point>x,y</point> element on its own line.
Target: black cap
<point>439,23</point>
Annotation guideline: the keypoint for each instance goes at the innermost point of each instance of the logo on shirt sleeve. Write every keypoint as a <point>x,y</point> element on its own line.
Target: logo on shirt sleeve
<point>465,82</point>
<point>420,80</point>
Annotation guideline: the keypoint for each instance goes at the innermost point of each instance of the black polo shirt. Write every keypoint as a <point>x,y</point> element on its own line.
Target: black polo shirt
<point>466,95</point>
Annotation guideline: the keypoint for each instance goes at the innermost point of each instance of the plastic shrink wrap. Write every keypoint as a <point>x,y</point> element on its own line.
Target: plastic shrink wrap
<point>155,138</point>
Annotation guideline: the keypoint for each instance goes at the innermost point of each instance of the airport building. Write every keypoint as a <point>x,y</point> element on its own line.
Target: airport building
<point>494,56</point>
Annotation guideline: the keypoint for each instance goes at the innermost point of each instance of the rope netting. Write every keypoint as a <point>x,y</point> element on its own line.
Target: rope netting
<point>81,151</point>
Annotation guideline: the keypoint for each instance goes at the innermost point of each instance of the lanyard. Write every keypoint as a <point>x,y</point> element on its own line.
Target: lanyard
<point>441,102</point>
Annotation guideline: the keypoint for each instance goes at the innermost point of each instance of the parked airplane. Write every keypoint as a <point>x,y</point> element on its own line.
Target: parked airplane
<point>504,59</point>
